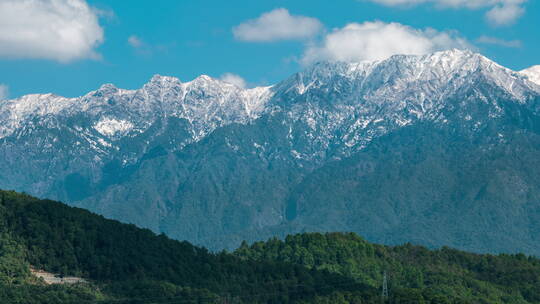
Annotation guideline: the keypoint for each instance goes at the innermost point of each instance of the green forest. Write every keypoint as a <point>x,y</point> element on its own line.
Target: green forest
<point>126,264</point>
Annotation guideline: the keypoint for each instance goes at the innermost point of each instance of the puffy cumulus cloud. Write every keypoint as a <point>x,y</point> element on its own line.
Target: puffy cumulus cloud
<point>505,13</point>
<point>500,12</point>
<point>61,30</point>
<point>500,42</point>
<point>4,91</point>
<point>275,25</point>
<point>472,4</point>
<point>378,40</point>
<point>234,79</point>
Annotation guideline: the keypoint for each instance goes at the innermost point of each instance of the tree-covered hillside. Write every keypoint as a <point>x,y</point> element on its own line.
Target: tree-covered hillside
<point>130,265</point>
<point>415,274</point>
<point>126,264</point>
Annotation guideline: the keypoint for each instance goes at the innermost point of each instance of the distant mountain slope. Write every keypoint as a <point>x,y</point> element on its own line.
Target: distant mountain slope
<point>207,162</point>
<point>432,186</point>
<point>125,264</point>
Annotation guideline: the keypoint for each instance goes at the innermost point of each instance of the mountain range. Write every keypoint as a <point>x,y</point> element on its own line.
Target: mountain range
<point>438,149</point>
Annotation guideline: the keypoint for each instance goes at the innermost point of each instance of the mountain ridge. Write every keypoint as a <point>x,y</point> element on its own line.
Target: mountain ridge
<point>447,62</point>
<point>533,73</point>
<point>171,93</point>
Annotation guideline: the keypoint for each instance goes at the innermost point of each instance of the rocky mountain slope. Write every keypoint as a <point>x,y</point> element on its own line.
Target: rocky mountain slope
<point>389,149</point>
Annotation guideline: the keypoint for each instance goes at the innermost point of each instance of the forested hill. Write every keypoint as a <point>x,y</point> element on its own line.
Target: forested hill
<point>125,264</point>
<point>134,265</point>
<point>414,273</point>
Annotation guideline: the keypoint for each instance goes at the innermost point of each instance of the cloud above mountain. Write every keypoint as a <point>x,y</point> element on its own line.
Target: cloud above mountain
<point>379,40</point>
<point>60,30</point>
<point>499,42</point>
<point>505,13</point>
<point>276,25</point>
<point>374,40</point>
<point>500,12</point>
<point>235,79</point>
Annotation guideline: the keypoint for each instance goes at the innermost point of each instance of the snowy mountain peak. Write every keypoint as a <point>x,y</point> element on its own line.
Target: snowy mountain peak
<point>433,75</point>
<point>107,89</point>
<point>159,82</point>
<point>204,102</point>
<point>159,79</point>
<point>533,74</point>
<point>443,60</point>
<point>204,77</point>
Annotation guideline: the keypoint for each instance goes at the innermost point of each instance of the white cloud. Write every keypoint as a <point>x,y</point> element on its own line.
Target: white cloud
<point>441,3</point>
<point>234,79</point>
<point>500,13</point>
<point>4,91</point>
<point>61,30</point>
<point>135,41</point>
<point>278,24</point>
<point>378,40</point>
<point>399,2</point>
<point>505,13</point>
<point>141,47</point>
<point>500,42</point>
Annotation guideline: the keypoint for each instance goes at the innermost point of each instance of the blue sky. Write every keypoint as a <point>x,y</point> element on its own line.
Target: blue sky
<point>186,38</point>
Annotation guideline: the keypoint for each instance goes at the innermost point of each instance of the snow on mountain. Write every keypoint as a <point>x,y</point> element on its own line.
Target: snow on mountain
<point>205,102</point>
<point>363,99</point>
<point>111,126</point>
<point>533,74</point>
<point>14,113</point>
<point>428,76</point>
<point>352,103</point>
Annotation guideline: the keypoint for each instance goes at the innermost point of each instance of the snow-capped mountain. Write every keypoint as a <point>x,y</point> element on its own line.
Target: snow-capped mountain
<point>349,104</point>
<point>213,163</point>
<point>533,74</point>
<point>205,102</point>
<point>396,91</point>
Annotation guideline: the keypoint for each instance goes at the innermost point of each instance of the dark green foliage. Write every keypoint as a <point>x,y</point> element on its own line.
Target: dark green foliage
<point>124,261</point>
<point>416,274</point>
<point>53,294</point>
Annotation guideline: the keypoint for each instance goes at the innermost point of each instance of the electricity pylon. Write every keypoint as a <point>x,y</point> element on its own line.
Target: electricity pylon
<point>384,295</point>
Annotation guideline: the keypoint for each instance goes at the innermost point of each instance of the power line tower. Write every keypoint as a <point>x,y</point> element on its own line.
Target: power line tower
<point>384,295</point>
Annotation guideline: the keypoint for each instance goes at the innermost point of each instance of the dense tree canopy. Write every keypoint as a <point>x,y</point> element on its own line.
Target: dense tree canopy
<point>415,274</point>
<point>123,261</point>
